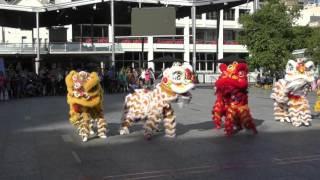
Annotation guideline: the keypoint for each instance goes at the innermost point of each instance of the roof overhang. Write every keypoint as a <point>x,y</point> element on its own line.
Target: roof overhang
<point>52,7</point>
<point>64,13</point>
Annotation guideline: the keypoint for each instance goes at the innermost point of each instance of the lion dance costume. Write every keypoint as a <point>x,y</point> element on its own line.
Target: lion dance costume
<point>317,88</point>
<point>154,105</point>
<point>232,99</point>
<point>85,98</point>
<point>289,94</point>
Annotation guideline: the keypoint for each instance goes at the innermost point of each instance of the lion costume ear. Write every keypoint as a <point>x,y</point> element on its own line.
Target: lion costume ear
<point>68,79</point>
<point>242,67</point>
<point>223,67</point>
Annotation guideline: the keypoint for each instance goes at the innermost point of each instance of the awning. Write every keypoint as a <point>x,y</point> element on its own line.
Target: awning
<point>98,11</point>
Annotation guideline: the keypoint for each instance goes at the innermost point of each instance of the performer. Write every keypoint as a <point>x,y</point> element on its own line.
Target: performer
<point>317,89</point>
<point>85,98</point>
<point>232,99</point>
<point>154,105</point>
<point>289,94</point>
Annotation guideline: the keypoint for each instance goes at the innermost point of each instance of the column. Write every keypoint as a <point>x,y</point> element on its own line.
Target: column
<point>220,38</point>
<point>69,32</point>
<point>193,14</point>
<point>186,40</point>
<point>150,53</point>
<point>236,14</point>
<point>37,60</point>
<point>112,34</point>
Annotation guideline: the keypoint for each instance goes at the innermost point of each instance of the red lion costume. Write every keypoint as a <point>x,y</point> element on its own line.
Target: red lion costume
<point>232,99</point>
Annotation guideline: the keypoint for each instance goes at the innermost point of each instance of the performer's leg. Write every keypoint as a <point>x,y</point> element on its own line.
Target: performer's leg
<point>102,128</point>
<point>229,121</point>
<point>217,112</point>
<point>91,126</point>
<point>247,120</point>
<point>84,126</point>
<point>300,112</point>
<point>169,122</point>
<point>149,126</point>
<point>101,123</point>
<point>281,112</point>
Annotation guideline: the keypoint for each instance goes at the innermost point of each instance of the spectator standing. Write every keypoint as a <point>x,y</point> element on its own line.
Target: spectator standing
<point>2,86</point>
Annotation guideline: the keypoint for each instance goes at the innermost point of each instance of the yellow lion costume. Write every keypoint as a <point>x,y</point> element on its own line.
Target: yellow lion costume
<point>85,98</point>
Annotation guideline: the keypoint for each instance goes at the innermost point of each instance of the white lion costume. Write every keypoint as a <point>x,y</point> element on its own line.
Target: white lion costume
<point>154,105</point>
<point>289,94</point>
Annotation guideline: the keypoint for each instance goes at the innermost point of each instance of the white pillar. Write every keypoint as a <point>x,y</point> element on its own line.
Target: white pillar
<point>37,60</point>
<point>236,14</point>
<point>150,52</point>
<point>220,39</point>
<point>112,35</point>
<point>69,32</point>
<point>186,40</point>
<point>2,35</point>
<point>193,14</point>
<point>255,5</point>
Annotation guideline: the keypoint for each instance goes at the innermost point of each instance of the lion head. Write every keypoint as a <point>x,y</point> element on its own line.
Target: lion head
<point>299,74</point>
<point>233,77</point>
<point>84,91</point>
<point>179,79</point>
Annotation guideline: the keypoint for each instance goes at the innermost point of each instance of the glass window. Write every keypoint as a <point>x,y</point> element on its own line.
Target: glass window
<point>229,35</point>
<point>243,12</point>
<point>197,67</point>
<point>198,16</point>
<point>202,65</point>
<point>179,31</point>
<point>213,15</point>
<point>229,14</point>
<point>210,65</point>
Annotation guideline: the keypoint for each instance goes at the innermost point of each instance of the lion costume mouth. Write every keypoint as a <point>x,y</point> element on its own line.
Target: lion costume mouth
<point>182,88</point>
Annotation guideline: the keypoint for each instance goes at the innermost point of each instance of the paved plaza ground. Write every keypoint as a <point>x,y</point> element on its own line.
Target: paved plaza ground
<point>37,142</point>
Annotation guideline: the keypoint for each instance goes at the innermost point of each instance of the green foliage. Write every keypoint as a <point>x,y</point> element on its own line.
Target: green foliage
<point>301,38</point>
<point>313,45</point>
<point>268,35</point>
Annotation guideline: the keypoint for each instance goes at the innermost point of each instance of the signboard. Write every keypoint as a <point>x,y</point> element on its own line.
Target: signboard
<point>153,21</point>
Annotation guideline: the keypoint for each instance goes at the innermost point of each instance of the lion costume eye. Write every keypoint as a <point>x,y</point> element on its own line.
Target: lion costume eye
<point>177,76</point>
<point>241,74</point>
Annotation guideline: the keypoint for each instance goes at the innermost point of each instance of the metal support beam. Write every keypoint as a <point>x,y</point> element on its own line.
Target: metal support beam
<point>193,14</point>
<point>37,60</point>
<point>112,33</point>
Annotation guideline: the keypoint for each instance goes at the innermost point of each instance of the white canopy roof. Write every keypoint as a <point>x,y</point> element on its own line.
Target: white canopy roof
<point>51,7</point>
<point>3,2</point>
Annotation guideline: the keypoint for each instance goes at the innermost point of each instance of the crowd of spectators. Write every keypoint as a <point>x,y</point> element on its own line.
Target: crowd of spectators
<point>17,82</point>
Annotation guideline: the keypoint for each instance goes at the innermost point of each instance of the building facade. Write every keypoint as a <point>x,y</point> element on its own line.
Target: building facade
<point>211,44</point>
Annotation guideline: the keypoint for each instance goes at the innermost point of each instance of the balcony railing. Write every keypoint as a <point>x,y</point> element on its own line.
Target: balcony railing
<point>58,48</point>
<point>91,39</point>
<point>21,48</point>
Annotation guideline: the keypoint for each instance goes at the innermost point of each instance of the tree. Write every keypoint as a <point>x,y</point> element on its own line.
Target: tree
<point>314,45</point>
<point>302,35</point>
<point>268,35</point>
